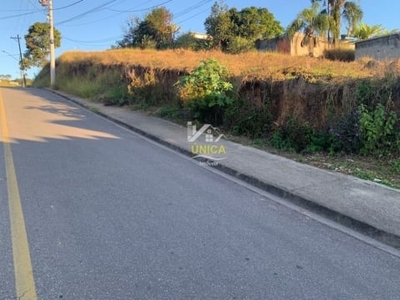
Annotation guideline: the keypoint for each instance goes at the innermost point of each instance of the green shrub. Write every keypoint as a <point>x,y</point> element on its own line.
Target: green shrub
<point>345,133</point>
<point>293,134</point>
<point>320,141</point>
<point>206,91</point>
<point>377,130</point>
<point>340,54</point>
<point>247,119</point>
<point>239,45</point>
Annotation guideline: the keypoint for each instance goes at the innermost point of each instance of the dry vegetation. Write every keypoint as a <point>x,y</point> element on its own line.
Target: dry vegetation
<point>310,90</point>
<point>253,64</point>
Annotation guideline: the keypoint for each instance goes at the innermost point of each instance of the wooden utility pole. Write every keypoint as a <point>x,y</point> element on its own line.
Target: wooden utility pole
<point>49,4</point>
<point>21,62</point>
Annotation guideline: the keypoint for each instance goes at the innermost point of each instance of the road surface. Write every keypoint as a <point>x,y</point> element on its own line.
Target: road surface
<point>89,210</point>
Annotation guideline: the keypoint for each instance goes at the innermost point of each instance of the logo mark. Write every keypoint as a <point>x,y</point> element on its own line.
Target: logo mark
<point>210,150</point>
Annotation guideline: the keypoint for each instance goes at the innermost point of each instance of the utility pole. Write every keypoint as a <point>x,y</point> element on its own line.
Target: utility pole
<point>21,62</point>
<point>49,4</point>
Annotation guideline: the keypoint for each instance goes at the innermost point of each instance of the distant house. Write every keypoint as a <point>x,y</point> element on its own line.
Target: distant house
<point>297,47</point>
<point>201,36</point>
<point>379,48</point>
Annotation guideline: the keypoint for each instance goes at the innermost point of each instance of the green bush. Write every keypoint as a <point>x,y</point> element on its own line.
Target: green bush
<point>340,54</point>
<point>206,91</point>
<point>247,119</point>
<point>239,45</point>
<point>293,134</point>
<point>377,131</point>
<point>345,133</point>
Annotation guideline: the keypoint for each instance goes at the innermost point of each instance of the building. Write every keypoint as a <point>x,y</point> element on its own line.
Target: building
<point>385,47</point>
<point>297,46</point>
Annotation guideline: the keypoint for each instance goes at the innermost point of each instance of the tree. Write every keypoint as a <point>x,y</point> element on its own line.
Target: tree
<point>218,25</point>
<point>5,77</point>
<point>364,31</point>
<point>258,23</point>
<point>353,14</point>
<point>38,44</point>
<point>336,9</point>
<point>156,30</point>
<point>312,23</point>
<point>236,31</point>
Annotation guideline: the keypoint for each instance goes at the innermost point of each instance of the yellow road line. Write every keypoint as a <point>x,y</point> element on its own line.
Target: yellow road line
<point>23,272</point>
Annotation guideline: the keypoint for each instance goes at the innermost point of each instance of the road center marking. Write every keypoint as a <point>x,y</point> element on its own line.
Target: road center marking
<point>23,272</point>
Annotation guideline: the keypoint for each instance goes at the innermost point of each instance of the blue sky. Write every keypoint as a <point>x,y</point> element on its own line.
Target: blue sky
<point>96,25</point>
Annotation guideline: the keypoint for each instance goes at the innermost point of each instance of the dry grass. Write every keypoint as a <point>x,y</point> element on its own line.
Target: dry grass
<point>253,64</point>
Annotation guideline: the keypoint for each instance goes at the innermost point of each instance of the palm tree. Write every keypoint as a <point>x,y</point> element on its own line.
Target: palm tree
<point>312,23</point>
<point>336,9</point>
<point>353,14</point>
<point>365,31</point>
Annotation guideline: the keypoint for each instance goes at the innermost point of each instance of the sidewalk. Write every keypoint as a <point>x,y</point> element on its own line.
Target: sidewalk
<point>364,206</point>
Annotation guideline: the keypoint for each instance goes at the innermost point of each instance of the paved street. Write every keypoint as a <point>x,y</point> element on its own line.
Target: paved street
<point>89,210</point>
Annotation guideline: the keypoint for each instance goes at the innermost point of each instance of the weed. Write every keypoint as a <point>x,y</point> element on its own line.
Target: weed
<point>169,112</point>
<point>205,91</point>
<point>94,109</point>
<point>345,133</point>
<point>395,166</point>
<point>293,134</point>
<point>244,118</point>
<point>377,130</point>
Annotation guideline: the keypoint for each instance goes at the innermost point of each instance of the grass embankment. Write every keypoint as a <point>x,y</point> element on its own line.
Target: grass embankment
<point>282,103</point>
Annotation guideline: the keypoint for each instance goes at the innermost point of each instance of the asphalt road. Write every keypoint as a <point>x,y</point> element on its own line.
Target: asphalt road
<point>110,215</point>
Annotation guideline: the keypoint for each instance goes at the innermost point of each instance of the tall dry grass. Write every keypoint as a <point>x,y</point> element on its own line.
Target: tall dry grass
<point>252,64</point>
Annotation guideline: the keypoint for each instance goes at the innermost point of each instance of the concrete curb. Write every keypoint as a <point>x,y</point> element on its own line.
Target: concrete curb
<point>298,200</point>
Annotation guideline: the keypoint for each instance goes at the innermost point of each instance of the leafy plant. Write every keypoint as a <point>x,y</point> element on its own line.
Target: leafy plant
<point>293,134</point>
<point>247,119</point>
<point>395,166</point>
<point>206,90</point>
<point>377,130</point>
<point>345,133</point>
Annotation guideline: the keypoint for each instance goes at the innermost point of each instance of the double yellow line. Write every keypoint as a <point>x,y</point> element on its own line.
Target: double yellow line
<point>23,272</point>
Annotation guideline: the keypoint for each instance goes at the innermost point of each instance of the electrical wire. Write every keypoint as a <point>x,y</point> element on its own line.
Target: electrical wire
<point>33,4</point>
<point>20,15</point>
<point>97,8</point>
<point>113,15</point>
<point>95,41</point>
<point>191,17</point>
<point>138,10</point>
<point>191,8</point>
<point>69,5</point>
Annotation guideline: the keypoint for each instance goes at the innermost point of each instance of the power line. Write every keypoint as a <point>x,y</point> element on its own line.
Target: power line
<point>191,17</point>
<point>191,8</point>
<point>33,4</point>
<point>137,10</point>
<point>93,42</point>
<point>69,5</point>
<point>86,12</point>
<point>20,15</point>
<point>113,15</point>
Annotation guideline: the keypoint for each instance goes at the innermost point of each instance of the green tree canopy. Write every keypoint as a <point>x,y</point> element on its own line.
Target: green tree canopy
<point>156,30</point>
<point>38,44</point>
<point>218,25</point>
<point>5,76</point>
<point>230,27</point>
